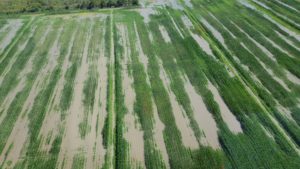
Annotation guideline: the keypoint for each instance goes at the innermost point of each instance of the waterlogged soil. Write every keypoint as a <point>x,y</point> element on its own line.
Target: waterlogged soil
<point>283,28</point>
<point>203,117</point>
<point>266,51</point>
<point>142,56</point>
<point>214,31</point>
<point>52,119</point>
<point>269,70</point>
<point>16,142</point>
<point>286,5</point>
<point>14,26</point>
<point>96,153</point>
<point>224,27</point>
<point>181,119</point>
<point>21,47</point>
<point>164,34</point>
<point>72,141</point>
<point>158,135</point>
<point>133,134</point>
<point>90,147</point>
<point>231,121</point>
<point>203,44</point>
<point>287,41</point>
<point>292,78</point>
<point>19,134</point>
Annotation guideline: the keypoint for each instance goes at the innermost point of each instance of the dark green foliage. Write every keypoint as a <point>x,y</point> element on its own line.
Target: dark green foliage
<point>143,106</point>
<point>122,147</point>
<point>19,6</point>
<point>107,124</point>
<point>253,145</point>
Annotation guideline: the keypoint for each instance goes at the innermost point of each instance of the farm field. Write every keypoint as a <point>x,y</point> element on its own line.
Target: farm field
<point>193,84</point>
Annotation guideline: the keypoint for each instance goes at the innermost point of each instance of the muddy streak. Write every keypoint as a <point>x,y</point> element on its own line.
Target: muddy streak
<point>292,77</point>
<point>213,16</point>
<point>49,67</point>
<point>286,5</point>
<point>133,133</point>
<point>52,119</point>
<point>19,87</point>
<point>93,139</point>
<point>21,47</point>
<point>266,51</point>
<point>72,142</point>
<point>275,12</point>
<point>134,136</point>
<point>269,40</point>
<point>14,26</point>
<point>142,57</point>
<point>157,127</point>
<point>158,135</point>
<point>174,4</point>
<point>253,76</point>
<point>278,47</point>
<point>100,104</point>
<point>150,36</point>
<point>262,4</point>
<point>202,116</point>
<point>146,13</point>
<point>181,120</point>
<point>215,32</point>
<point>18,140</point>
<point>22,123</point>
<point>164,34</point>
<point>5,27</point>
<point>9,99</point>
<point>19,133</point>
<point>231,121</point>
<point>203,44</point>
<point>187,22</point>
<point>287,40</point>
<point>269,71</point>
<point>273,120</point>
<point>283,28</point>
<point>188,3</point>
<point>247,5</point>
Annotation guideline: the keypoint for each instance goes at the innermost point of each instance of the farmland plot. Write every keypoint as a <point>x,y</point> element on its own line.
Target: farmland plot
<point>168,84</point>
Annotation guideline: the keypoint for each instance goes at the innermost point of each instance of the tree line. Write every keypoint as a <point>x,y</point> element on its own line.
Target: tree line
<point>19,6</point>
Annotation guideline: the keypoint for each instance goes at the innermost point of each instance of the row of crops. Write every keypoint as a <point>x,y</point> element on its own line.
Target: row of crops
<point>175,84</point>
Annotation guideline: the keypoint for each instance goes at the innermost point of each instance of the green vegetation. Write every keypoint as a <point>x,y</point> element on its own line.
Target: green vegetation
<point>122,146</point>
<point>19,6</point>
<point>63,99</point>
<point>79,161</point>
<point>107,124</point>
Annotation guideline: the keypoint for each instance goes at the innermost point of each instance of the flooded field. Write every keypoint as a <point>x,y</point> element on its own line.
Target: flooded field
<point>168,84</point>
